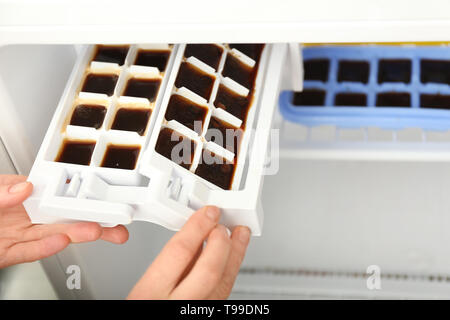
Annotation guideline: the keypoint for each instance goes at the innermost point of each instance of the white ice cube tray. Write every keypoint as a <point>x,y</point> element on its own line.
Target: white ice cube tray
<point>157,190</point>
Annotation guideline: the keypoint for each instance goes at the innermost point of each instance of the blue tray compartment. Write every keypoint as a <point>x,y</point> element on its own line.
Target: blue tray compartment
<point>382,117</point>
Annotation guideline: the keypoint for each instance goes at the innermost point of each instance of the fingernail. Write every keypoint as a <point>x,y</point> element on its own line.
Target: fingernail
<point>213,213</point>
<point>244,235</point>
<point>18,187</point>
<point>224,230</point>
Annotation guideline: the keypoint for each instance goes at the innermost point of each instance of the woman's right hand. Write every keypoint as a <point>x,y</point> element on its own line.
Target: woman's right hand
<point>186,270</point>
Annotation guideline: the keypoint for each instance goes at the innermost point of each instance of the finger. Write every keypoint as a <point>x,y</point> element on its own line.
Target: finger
<point>11,179</point>
<point>191,265</point>
<point>118,234</point>
<point>209,268</point>
<point>239,242</point>
<point>14,194</point>
<point>77,232</point>
<point>36,250</point>
<point>167,269</point>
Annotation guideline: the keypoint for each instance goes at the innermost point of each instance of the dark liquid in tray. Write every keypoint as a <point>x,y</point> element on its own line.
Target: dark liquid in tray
<point>252,50</point>
<point>239,71</point>
<point>195,80</point>
<point>186,112</point>
<point>355,71</point>
<point>121,157</point>
<point>437,71</point>
<point>309,97</point>
<point>207,53</point>
<point>113,54</point>
<point>88,115</point>
<point>142,88</point>
<point>435,101</point>
<point>216,170</point>
<point>76,152</point>
<point>316,69</point>
<point>394,71</point>
<point>131,120</point>
<point>350,99</point>
<point>168,139</point>
<point>224,134</point>
<point>232,102</point>
<point>100,83</point>
<point>393,99</point>
<point>153,58</point>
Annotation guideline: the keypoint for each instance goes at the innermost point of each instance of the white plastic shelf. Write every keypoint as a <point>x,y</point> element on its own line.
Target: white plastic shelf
<point>365,144</point>
<point>103,21</point>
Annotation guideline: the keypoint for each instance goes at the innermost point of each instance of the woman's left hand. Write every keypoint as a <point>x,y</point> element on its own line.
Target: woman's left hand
<point>21,241</point>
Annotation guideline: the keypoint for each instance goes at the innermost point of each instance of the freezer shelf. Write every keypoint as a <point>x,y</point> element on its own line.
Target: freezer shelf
<point>237,21</point>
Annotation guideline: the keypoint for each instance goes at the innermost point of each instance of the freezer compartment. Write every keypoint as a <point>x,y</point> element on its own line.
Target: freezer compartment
<point>96,162</point>
<point>341,216</point>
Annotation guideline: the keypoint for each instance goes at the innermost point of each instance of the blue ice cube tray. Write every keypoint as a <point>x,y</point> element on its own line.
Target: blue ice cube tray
<point>386,117</point>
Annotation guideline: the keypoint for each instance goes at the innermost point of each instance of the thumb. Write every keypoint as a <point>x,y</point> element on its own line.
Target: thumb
<point>14,194</point>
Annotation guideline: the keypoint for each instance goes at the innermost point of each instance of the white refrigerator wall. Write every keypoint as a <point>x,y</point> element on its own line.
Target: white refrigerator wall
<point>325,221</point>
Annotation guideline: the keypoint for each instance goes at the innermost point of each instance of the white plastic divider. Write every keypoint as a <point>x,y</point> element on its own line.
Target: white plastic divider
<point>296,59</point>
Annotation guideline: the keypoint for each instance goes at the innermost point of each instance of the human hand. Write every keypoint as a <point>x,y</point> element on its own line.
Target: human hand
<point>21,241</point>
<point>186,270</point>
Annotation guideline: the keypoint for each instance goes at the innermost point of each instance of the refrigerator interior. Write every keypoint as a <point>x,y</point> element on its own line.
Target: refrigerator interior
<point>341,201</point>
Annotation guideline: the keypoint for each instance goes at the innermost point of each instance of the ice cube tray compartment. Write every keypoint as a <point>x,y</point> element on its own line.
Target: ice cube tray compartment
<point>390,87</point>
<point>88,110</point>
<point>111,54</point>
<point>199,78</point>
<point>152,55</point>
<point>171,135</point>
